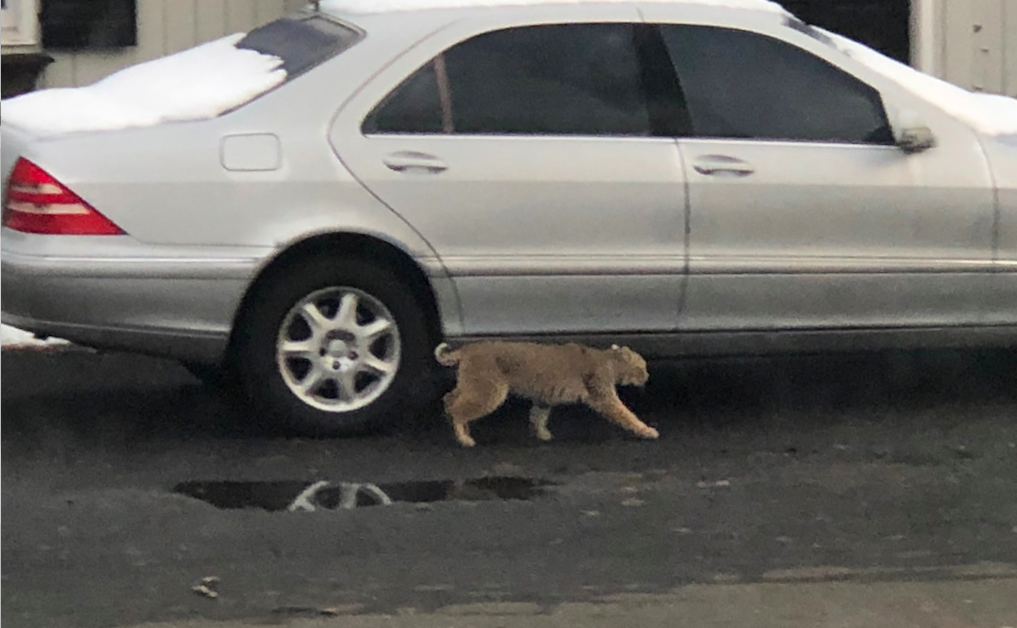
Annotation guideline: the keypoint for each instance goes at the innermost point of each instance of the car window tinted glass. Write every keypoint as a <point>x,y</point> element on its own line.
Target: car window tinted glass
<point>413,107</point>
<point>301,42</point>
<point>562,79</point>
<point>744,85</point>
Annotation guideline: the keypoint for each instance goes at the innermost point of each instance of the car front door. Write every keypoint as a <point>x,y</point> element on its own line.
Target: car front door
<point>527,157</point>
<point>804,212</point>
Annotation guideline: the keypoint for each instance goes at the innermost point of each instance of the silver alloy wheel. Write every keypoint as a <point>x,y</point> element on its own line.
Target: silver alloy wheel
<point>338,349</point>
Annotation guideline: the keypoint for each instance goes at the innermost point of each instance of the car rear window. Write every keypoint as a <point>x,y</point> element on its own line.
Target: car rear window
<point>302,42</point>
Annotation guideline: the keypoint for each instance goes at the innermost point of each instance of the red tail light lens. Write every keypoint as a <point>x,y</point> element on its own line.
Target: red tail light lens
<point>35,202</point>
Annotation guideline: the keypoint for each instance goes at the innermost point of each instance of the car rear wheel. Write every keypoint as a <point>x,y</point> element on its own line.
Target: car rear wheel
<point>333,347</point>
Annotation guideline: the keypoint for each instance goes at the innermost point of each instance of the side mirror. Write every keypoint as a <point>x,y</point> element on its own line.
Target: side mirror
<point>912,134</point>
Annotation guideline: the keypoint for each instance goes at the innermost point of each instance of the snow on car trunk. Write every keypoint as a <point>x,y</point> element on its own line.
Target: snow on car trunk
<point>199,83</point>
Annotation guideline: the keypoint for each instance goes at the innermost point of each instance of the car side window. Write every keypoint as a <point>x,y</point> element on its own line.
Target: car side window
<point>569,79</point>
<point>413,107</point>
<point>745,85</point>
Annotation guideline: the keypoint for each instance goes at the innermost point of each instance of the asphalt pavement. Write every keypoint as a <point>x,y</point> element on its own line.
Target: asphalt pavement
<point>845,490</point>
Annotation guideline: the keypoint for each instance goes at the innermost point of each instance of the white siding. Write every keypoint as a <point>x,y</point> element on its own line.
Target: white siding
<point>164,27</point>
<point>1009,69</point>
<point>976,44</point>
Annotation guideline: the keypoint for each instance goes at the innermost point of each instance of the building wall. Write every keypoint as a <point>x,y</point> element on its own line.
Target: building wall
<point>165,27</point>
<point>974,44</point>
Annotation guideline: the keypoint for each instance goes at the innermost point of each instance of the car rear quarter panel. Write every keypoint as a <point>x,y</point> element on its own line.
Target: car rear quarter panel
<point>166,187</point>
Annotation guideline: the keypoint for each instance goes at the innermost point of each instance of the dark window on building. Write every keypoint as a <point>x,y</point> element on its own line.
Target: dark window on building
<point>884,25</point>
<point>88,24</point>
<point>739,84</point>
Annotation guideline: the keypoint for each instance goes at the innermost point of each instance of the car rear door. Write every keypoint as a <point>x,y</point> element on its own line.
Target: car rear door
<point>526,155</point>
<point>804,212</point>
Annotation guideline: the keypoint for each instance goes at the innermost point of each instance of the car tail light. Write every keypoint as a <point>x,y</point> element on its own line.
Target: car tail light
<point>35,202</point>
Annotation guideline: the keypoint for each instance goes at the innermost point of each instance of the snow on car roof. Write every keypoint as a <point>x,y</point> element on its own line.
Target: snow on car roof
<point>990,114</point>
<point>198,83</point>
<point>391,6</point>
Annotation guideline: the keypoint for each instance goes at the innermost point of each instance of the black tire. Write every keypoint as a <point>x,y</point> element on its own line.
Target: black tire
<point>273,404</point>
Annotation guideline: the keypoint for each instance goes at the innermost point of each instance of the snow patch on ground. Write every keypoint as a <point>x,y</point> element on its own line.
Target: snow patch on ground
<point>387,6</point>
<point>12,338</point>
<point>199,83</point>
<point>991,114</point>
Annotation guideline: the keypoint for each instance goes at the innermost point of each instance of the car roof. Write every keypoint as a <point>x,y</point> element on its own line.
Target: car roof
<point>369,7</point>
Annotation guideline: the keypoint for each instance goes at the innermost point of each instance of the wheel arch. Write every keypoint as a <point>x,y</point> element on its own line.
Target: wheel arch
<point>349,245</point>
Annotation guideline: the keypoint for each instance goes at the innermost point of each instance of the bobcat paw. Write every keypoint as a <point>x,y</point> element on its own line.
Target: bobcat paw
<point>467,441</point>
<point>649,433</point>
<point>545,435</point>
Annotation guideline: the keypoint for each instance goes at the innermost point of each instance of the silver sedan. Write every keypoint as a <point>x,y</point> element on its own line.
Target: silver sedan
<point>687,178</point>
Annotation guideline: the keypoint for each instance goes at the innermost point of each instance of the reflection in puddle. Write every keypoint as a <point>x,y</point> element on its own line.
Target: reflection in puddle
<point>309,496</point>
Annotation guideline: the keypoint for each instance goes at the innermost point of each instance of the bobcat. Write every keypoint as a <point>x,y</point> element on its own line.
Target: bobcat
<point>547,375</point>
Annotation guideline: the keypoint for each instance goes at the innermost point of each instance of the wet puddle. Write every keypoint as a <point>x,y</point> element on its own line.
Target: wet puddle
<point>311,496</point>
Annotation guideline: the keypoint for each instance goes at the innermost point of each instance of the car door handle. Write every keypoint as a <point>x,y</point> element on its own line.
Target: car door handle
<point>413,161</point>
<point>722,164</point>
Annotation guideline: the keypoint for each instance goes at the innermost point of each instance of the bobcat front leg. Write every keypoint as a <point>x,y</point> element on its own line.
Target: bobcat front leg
<point>611,407</point>
<point>539,416</point>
